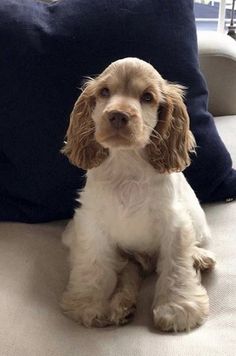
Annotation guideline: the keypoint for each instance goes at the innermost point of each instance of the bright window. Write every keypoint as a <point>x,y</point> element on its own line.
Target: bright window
<point>213,15</point>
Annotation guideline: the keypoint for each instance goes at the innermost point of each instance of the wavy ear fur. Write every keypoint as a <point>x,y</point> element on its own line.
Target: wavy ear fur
<point>171,140</point>
<point>81,147</point>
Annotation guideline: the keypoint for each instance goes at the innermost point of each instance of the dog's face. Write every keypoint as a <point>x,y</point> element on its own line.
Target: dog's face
<point>130,106</point>
<point>127,98</point>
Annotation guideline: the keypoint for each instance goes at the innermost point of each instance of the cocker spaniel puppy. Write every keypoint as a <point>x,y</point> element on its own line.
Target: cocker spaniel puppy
<point>130,130</point>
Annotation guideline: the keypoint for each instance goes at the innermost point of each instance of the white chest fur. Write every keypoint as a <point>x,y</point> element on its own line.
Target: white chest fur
<point>124,198</point>
<point>131,194</point>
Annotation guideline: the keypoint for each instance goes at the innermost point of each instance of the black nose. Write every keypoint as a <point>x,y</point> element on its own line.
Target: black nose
<point>118,119</point>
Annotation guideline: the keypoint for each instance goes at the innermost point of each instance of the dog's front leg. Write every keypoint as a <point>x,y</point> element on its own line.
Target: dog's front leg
<point>94,265</point>
<point>124,299</point>
<point>180,301</point>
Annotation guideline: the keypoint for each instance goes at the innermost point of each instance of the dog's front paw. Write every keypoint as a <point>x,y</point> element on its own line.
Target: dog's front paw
<point>181,314</point>
<point>122,309</point>
<point>86,311</point>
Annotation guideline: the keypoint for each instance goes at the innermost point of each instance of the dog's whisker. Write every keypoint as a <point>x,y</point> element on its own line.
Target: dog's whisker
<point>154,133</point>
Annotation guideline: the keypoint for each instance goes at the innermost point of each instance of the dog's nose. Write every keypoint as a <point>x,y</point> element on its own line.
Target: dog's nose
<point>118,119</point>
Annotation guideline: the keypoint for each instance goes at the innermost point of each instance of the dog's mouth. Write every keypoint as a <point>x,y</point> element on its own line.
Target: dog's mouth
<point>116,139</point>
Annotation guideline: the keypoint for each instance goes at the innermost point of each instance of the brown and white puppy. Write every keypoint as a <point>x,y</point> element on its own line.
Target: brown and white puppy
<point>130,130</point>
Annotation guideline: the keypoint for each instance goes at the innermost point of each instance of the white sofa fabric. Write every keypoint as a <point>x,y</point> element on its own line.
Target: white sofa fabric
<point>218,63</point>
<point>34,271</point>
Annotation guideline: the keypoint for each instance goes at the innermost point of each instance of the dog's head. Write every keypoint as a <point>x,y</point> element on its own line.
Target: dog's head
<point>130,106</point>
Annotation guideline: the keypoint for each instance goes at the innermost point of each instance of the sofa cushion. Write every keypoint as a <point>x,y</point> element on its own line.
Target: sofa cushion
<point>34,274</point>
<point>46,49</point>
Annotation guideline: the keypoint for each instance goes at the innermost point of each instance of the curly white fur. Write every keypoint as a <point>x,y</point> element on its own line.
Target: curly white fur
<point>128,206</point>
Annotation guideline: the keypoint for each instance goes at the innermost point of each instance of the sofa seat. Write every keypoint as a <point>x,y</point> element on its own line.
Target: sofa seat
<point>34,272</point>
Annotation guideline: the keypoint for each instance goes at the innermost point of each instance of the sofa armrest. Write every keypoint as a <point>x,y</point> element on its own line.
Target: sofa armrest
<point>217,55</point>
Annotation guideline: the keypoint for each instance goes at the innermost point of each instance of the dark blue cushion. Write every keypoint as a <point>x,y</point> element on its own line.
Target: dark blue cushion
<point>45,52</point>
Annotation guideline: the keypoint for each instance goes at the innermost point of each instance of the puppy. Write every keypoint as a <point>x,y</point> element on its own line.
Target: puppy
<point>130,130</point>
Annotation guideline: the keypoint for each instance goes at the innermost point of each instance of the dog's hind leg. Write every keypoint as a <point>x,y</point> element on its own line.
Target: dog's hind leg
<point>203,259</point>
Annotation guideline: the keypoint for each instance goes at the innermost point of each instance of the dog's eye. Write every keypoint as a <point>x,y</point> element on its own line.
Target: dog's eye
<point>147,97</point>
<point>105,92</point>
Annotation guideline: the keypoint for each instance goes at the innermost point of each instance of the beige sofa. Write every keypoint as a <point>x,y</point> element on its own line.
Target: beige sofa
<point>34,270</point>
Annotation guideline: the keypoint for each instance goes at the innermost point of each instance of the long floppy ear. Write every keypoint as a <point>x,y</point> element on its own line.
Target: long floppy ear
<point>171,141</point>
<point>81,147</point>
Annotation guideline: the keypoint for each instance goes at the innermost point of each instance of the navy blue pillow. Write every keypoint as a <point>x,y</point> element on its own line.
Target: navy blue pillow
<point>45,52</point>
